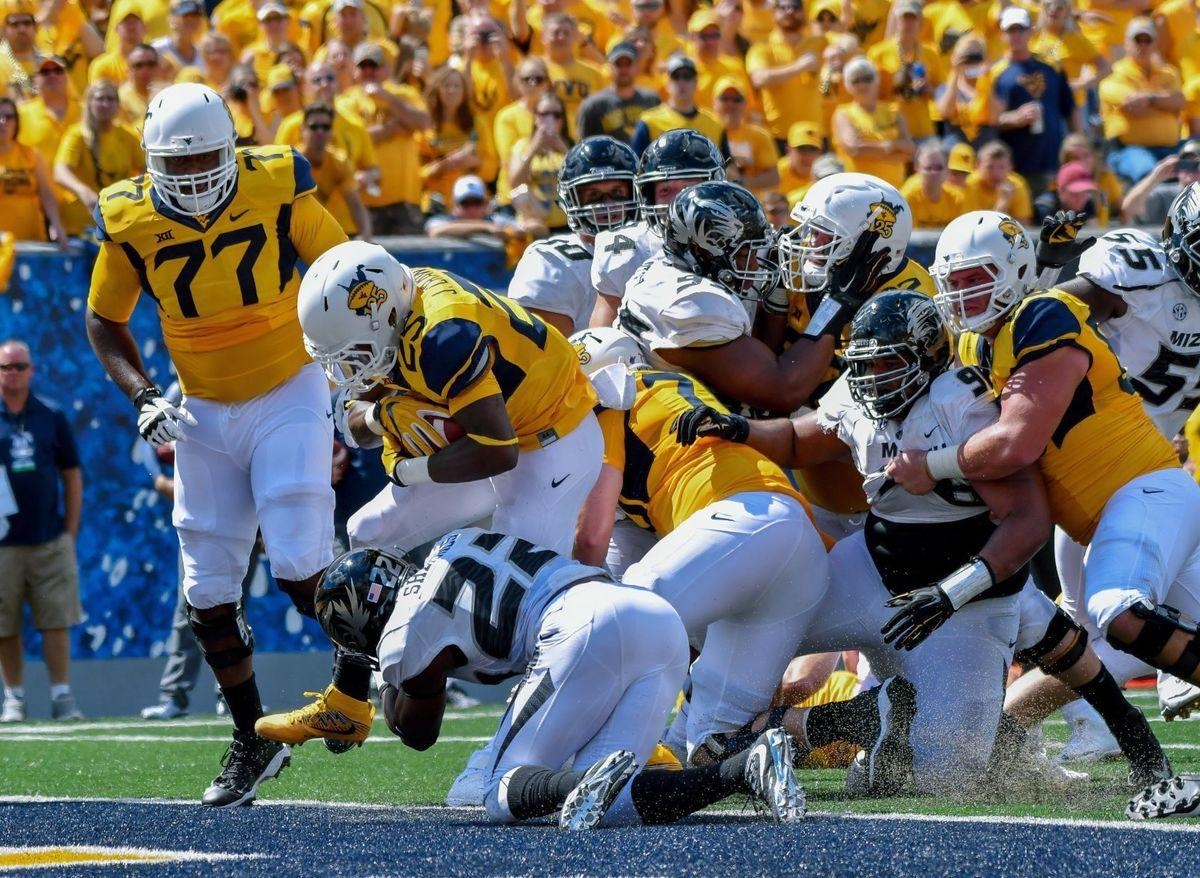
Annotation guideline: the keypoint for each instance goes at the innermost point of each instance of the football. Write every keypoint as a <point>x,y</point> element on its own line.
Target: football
<point>415,427</point>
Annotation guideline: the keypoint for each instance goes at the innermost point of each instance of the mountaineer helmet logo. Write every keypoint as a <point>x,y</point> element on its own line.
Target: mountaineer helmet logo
<point>363,294</point>
<point>883,218</point>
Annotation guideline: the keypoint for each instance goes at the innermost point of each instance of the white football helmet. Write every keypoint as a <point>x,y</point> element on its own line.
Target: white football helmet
<point>996,244</point>
<point>829,220</point>
<point>603,346</point>
<point>190,119</point>
<point>352,304</point>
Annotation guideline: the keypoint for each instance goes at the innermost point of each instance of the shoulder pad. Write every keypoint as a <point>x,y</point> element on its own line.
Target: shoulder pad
<point>119,206</point>
<point>276,173</point>
<point>1125,261</point>
<point>963,402</point>
<point>1045,321</point>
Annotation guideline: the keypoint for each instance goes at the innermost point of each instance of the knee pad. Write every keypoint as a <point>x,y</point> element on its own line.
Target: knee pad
<point>303,601</point>
<point>224,638</point>
<point>1159,624</point>
<point>1061,626</point>
<point>297,530</point>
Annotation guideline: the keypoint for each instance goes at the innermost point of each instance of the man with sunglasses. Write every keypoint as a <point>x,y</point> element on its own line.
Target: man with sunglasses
<point>679,111</point>
<point>17,60</point>
<point>1139,104</point>
<point>331,169</point>
<point>37,452</point>
<point>616,110</point>
<point>44,120</point>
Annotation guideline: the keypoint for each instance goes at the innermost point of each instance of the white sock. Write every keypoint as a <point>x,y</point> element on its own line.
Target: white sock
<point>60,689</point>
<point>17,692</point>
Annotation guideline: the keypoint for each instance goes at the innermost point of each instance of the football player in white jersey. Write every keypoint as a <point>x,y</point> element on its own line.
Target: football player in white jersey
<point>676,160</point>
<point>602,663</point>
<point>973,540</point>
<point>596,191</point>
<point>693,307</point>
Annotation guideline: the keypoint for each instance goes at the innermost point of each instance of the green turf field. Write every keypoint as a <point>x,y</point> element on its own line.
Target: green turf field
<point>123,758</point>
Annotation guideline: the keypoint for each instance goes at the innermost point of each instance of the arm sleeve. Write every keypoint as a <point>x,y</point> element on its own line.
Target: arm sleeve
<point>612,428</point>
<point>115,284</point>
<point>313,229</point>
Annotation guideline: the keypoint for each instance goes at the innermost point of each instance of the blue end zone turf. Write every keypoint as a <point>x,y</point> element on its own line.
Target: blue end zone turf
<point>301,840</point>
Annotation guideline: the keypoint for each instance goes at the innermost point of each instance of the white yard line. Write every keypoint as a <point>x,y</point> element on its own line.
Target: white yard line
<point>194,739</point>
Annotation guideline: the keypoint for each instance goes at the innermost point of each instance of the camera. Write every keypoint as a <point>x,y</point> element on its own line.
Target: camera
<point>1191,164</point>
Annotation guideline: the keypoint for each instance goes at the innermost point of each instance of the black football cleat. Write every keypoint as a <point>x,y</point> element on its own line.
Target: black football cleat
<point>248,762</point>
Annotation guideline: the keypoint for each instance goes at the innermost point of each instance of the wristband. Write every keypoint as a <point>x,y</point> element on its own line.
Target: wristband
<point>414,471</point>
<point>150,391</point>
<point>371,420</point>
<point>776,302</point>
<point>942,463</point>
<point>830,318</point>
<point>967,582</point>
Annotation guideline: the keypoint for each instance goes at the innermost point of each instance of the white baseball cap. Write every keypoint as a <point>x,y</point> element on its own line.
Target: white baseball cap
<point>469,186</point>
<point>1015,15</point>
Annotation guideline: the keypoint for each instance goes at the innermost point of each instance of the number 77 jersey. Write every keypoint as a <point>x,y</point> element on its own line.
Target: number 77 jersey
<point>225,282</point>
<point>1157,339</point>
<point>482,593</point>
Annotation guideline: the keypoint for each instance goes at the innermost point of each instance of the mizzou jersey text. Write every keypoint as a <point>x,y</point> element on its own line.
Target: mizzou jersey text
<point>1105,438</point>
<point>836,485</point>
<point>461,343</point>
<point>666,482</point>
<point>226,282</point>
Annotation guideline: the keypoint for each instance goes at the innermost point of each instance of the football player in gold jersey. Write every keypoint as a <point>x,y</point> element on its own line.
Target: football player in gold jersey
<point>737,554</point>
<point>214,235</point>
<point>1114,483</point>
<point>509,381</point>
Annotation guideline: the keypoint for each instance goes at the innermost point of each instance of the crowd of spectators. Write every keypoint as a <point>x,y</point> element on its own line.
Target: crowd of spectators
<point>1016,105</point>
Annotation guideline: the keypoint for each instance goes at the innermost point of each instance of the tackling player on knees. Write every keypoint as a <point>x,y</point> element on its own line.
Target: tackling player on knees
<point>215,233</point>
<point>602,663</point>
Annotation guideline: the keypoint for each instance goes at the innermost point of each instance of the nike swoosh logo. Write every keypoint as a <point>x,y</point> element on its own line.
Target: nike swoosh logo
<point>554,483</point>
<point>1151,490</point>
<point>234,217</point>
<point>717,516</point>
<point>931,432</point>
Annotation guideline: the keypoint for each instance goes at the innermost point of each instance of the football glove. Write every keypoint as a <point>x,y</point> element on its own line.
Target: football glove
<point>159,421</point>
<point>921,612</point>
<point>851,282</point>
<point>705,421</point>
<point>1058,242</point>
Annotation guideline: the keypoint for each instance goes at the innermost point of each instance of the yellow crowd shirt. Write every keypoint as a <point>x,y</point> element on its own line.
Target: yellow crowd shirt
<point>979,194</point>
<point>401,181</point>
<point>22,214</point>
<point>543,182</point>
<point>462,343</point>
<point>42,130</point>
<point>753,150</point>
<point>116,156</point>
<point>514,123</point>
<point>930,214</point>
<point>917,111</point>
<point>225,283</point>
<point>665,482</point>
<point>1105,438</point>
<point>334,178</point>
<point>61,37</point>
<point>1153,128</point>
<point>874,127</point>
<point>572,83</point>
<point>349,139</point>
<point>662,119</point>
<point>796,99</point>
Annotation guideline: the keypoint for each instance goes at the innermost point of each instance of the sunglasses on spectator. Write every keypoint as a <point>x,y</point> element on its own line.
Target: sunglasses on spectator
<point>1143,39</point>
<point>370,64</point>
<point>21,22</point>
<point>555,114</point>
<point>709,35</point>
<point>1016,29</point>
<point>653,4</point>
<point>862,80</point>
<point>7,117</point>
<point>51,71</point>
<point>471,202</point>
<point>319,126</point>
<point>685,75</point>
<point>789,7</point>
<point>14,367</point>
<point>731,99</point>
<point>534,79</point>
<point>932,169</point>
<point>137,65</point>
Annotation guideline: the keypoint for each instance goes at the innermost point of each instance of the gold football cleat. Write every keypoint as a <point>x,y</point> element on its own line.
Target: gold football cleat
<point>333,716</point>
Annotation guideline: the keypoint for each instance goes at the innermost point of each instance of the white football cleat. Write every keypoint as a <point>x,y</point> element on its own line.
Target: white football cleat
<point>470,787</point>
<point>1089,739</point>
<point>1176,698</point>
<point>770,774</point>
<point>1176,797</point>
<point>599,787</point>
